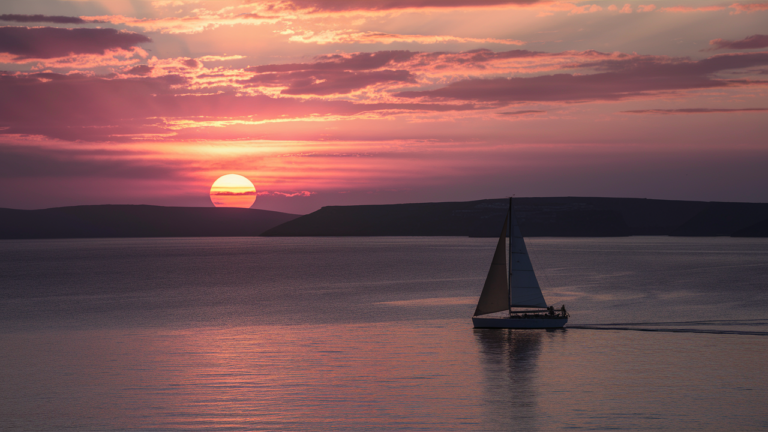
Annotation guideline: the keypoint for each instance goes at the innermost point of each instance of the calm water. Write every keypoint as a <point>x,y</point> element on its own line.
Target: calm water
<point>374,334</point>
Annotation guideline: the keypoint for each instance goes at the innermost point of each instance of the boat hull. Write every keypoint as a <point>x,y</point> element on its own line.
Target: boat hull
<point>519,323</point>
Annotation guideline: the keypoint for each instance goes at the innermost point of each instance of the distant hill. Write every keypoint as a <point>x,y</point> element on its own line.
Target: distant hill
<point>560,217</point>
<point>555,217</point>
<point>725,219</point>
<point>136,221</point>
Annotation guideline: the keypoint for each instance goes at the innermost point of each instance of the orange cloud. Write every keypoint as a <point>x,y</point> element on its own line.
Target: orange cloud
<point>689,9</point>
<point>585,9</point>
<point>351,36</point>
<point>319,6</point>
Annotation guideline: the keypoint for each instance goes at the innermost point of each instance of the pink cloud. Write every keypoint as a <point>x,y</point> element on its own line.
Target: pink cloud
<point>334,74</point>
<point>483,55</point>
<point>336,62</point>
<point>689,9</point>
<point>646,8</point>
<point>166,98</point>
<point>182,25</point>
<point>343,74</point>
<point>441,63</point>
<point>585,9</point>
<point>559,88</point>
<point>191,63</point>
<point>369,37</point>
<point>139,70</point>
<point>81,107</point>
<point>328,83</point>
<point>751,42</point>
<point>383,5</point>
<point>748,7</point>
<point>695,111</point>
<point>623,79</point>
<point>48,42</point>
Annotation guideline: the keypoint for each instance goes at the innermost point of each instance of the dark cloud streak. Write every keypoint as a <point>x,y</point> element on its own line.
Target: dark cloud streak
<point>522,112</point>
<point>51,42</point>
<point>42,18</point>
<point>695,111</point>
<point>752,42</point>
<point>627,78</point>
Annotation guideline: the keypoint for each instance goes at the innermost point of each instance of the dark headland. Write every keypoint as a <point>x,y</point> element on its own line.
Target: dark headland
<point>100,221</point>
<point>555,217</point>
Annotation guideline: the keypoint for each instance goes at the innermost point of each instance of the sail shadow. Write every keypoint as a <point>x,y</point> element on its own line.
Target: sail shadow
<point>509,361</point>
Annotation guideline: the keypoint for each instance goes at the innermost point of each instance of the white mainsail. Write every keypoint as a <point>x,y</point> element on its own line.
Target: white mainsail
<point>495,295</point>
<point>524,288</point>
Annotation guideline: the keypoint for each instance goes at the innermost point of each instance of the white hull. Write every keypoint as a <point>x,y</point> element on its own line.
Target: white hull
<point>519,323</point>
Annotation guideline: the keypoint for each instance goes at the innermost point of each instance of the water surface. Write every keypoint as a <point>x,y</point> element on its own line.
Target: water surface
<point>374,334</point>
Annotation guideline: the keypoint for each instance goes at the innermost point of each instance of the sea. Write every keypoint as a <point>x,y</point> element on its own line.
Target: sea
<point>375,334</point>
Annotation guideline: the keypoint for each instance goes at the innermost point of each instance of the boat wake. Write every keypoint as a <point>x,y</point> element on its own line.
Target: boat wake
<point>752,327</point>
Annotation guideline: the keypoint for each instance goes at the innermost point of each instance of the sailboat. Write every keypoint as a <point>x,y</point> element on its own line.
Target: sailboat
<point>516,290</point>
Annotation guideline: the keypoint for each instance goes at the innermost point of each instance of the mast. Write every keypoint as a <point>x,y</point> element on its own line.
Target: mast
<point>511,234</point>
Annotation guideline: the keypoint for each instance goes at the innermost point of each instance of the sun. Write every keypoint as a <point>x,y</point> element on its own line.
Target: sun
<point>233,190</point>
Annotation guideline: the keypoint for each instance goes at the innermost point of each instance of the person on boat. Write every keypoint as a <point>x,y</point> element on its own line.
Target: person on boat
<point>551,310</point>
<point>563,312</point>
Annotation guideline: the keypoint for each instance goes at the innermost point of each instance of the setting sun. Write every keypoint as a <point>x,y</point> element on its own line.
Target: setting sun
<point>233,190</point>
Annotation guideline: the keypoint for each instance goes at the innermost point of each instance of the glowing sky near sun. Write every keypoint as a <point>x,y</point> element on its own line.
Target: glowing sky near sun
<point>324,102</point>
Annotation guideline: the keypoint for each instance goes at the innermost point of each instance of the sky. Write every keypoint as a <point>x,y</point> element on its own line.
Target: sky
<point>346,102</point>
